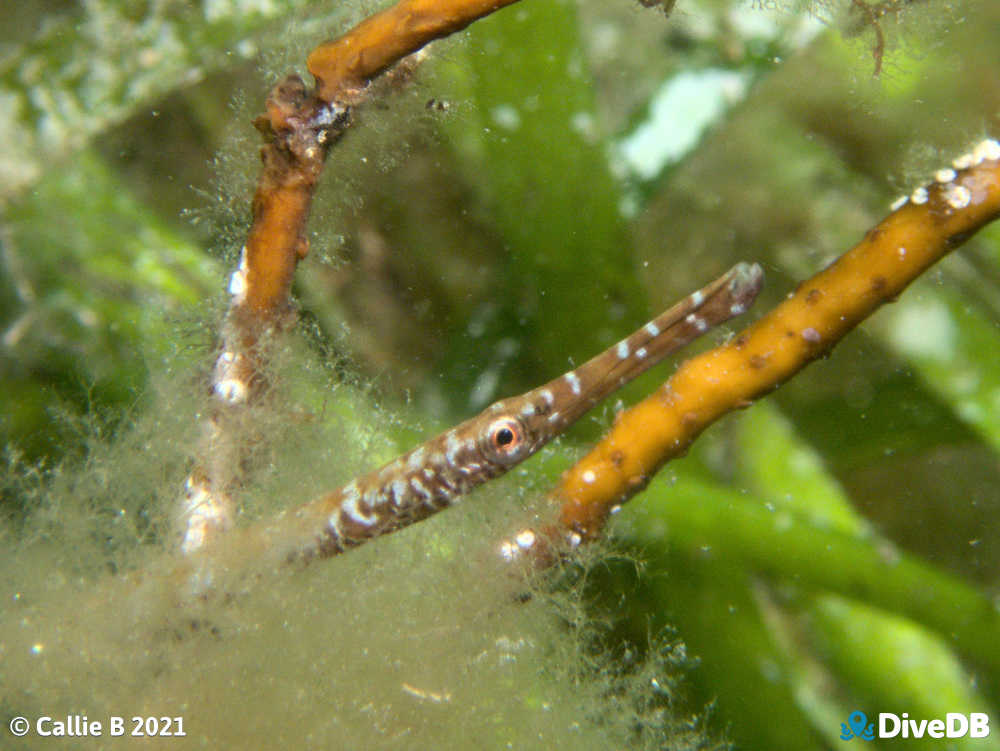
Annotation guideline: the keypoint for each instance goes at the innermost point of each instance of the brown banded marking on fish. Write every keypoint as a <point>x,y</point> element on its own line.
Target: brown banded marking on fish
<point>436,474</point>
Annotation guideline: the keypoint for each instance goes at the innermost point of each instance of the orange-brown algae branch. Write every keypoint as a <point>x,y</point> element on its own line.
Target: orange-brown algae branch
<point>348,63</point>
<point>299,127</point>
<point>299,131</point>
<point>922,229</point>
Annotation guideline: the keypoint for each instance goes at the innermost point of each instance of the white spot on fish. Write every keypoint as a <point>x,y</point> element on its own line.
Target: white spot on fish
<point>548,397</point>
<point>641,353</point>
<point>399,490</point>
<point>352,507</point>
<point>622,350</point>
<point>574,382</point>
<point>957,196</point>
<point>698,323</point>
<point>919,196</point>
<point>416,459</point>
<point>452,446</point>
<point>373,498</point>
<point>986,150</point>
<point>419,488</point>
<point>553,417</point>
<point>589,476</point>
<point>963,162</point>
<point>527,410</point>
<point>697,298</point>
<point>898,203</point>
<point>945,175</point>
<point>652,329</point>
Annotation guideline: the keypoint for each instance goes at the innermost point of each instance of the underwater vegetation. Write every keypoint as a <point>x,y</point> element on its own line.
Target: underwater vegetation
<point>228,293</point>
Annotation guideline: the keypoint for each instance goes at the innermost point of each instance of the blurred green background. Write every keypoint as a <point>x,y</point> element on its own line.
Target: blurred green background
<point>556,176</point>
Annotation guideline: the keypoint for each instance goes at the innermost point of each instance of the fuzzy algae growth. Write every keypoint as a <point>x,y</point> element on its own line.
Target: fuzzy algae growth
<point>425,639</point>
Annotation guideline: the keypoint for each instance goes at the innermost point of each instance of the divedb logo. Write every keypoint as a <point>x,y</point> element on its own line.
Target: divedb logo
<point>954,725</point>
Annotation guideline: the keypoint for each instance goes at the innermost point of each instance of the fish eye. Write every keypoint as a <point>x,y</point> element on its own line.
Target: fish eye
<point>504,440</point>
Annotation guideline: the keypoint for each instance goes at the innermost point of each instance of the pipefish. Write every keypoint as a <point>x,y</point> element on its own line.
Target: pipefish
<point>437,473</point>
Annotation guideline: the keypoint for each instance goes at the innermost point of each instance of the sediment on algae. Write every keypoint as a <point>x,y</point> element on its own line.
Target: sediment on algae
<point>426,638</point>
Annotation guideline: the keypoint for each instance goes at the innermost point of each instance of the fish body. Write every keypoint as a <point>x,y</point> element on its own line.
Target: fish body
<point>437,473</point>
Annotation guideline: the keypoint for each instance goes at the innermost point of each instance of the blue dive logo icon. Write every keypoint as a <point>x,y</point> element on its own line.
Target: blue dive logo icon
<point>859,727</point>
